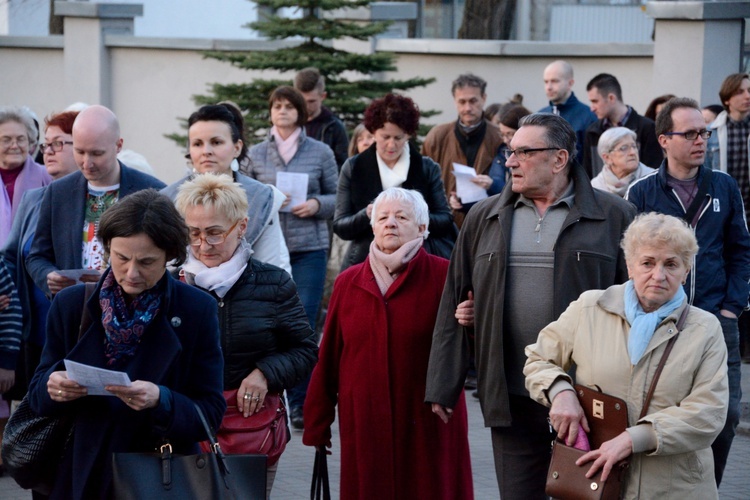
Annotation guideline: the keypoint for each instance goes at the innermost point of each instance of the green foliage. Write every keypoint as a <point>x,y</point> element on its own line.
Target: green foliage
<point>352,79</point>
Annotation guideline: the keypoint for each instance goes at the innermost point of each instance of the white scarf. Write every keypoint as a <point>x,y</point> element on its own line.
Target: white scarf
<point>219,279</point>
<point>394,177</point>
<point>287,148</point>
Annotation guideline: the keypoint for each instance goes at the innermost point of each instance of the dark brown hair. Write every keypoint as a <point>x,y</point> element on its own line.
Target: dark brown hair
<point>295,98</point>
<point>393,108</point>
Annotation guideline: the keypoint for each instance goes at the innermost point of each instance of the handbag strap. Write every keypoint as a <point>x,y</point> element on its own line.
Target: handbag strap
<point>663,361</point>
<point>320,488</point>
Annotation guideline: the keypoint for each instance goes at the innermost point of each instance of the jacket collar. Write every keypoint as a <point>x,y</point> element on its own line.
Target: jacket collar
<point>570,102</point>
<point>662,174</point>
<point>365,278</point>
<point>584,200</point>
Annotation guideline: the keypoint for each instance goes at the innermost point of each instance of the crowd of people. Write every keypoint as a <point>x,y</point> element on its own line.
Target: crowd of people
<point>595,240</point>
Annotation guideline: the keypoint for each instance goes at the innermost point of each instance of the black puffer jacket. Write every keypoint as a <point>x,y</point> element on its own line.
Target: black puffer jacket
<point>263,325</point>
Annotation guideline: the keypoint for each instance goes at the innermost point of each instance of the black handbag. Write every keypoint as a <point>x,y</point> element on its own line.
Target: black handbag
<point>207,475</point>
<point>320,488</point>
<point>33,445</point>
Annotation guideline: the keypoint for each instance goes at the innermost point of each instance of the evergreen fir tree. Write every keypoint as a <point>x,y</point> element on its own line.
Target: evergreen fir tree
<point>348,96</point>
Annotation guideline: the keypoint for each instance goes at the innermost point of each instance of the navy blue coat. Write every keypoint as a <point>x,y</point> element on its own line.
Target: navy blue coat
<point>58,242</point>
<point>179,352</point>
<point>721,270</point>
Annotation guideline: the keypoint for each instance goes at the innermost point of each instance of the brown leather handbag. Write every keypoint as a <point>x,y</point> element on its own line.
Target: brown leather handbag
<point>608,418</point>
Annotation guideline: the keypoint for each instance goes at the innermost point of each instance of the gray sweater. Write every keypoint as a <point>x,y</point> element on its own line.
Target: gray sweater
<point>315,159</point>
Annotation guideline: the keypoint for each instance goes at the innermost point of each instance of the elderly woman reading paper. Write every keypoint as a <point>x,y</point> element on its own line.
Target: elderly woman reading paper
<point>616,338</point>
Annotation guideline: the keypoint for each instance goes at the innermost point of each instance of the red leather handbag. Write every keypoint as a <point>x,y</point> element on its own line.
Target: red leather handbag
<point>263,433</point>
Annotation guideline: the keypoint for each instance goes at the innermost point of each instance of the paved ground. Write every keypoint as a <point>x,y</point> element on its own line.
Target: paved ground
<point>295,466</point>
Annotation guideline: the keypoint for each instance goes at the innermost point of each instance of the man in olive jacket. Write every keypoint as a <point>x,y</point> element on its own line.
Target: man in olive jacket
<point>549,227</point>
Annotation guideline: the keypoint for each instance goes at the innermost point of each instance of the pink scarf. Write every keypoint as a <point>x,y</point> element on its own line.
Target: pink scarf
<point>286,147</point>
<point>387,266</point>
<point>32,176</point>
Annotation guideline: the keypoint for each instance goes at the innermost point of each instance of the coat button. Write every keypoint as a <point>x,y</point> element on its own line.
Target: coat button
<point>176,321</point>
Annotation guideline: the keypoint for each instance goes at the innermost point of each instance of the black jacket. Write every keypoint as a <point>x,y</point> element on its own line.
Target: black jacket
<point>331,131</point>
<point>263,325</point>
<point>359,185</point>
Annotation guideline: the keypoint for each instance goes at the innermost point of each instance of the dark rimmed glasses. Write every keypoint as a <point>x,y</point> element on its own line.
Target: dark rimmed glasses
<point>692,135</point>
<point>55,146</point>
<point>524,154</point>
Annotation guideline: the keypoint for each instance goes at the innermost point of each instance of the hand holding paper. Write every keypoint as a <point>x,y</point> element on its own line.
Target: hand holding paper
<point>465,188</point>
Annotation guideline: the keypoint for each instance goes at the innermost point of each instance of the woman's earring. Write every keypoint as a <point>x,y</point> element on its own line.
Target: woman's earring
<point>235,165</point>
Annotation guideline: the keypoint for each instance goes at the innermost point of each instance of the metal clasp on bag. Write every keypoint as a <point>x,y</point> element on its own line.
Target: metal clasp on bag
<point>166,465</point>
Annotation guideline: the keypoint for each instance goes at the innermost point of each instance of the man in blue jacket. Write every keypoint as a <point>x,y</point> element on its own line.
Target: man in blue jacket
<point>65,237</point>
<point>711,203</point>
<point>558,85</point>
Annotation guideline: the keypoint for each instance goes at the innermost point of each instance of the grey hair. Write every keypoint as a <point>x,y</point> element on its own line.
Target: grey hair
<point>612,137</point>
<point>559,132</point>
<point>22,116</point>
<point>409,197</point>
<point>655,229</point>
<point>469,80</point>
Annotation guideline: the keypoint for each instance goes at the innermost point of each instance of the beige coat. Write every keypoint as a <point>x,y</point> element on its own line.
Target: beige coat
<point>689,405</point>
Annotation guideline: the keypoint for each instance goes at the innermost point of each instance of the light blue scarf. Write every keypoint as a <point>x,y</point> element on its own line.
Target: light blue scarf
<point>643,324</point>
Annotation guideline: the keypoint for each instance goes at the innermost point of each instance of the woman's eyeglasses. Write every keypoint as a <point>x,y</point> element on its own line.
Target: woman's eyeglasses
<point>211,239</point>
<point>55,146</point>
<point>21,141</point>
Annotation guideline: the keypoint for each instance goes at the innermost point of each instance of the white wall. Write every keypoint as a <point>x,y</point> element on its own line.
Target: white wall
<point>153,80</point>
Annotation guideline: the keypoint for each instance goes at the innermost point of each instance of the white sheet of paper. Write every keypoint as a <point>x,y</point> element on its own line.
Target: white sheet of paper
<point>94,379</point>
<point>465,189</point>
<point>77,273</point>
<point>293,184</point>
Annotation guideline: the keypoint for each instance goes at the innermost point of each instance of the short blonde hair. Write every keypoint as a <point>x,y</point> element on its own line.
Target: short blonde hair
<point>227,197</point>
<point>655,229</point>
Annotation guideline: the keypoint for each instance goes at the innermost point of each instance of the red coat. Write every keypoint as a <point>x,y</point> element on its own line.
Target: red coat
<point>373,363</point>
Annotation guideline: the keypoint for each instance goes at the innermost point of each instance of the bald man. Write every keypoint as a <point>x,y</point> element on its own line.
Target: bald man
<point>558,85</point>
<point>65,237</point>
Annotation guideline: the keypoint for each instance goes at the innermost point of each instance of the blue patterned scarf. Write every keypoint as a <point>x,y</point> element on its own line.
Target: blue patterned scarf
<point>643,324</point>
<point>125,323</point>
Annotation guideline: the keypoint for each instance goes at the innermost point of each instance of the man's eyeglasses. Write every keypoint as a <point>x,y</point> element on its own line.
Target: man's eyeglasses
<point>524,154</point>
<point>212,239</point>
<point>55,146</point>
<point>21,141</point>
<point>692,135</point>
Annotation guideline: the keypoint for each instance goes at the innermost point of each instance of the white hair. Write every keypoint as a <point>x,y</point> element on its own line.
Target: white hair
<point>611,137</point>
<point>409,197</point>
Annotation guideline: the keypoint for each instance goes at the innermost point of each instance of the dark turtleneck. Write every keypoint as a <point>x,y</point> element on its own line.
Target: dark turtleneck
<point>470,141</point>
